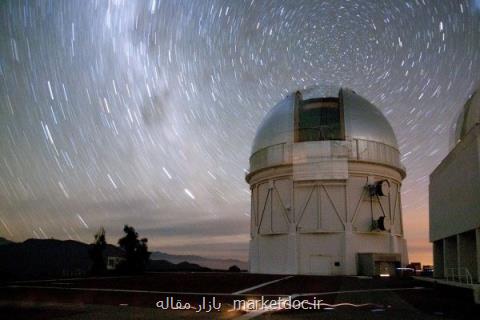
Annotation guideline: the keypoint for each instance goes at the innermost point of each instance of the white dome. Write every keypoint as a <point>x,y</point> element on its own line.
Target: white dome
<point>324,114</point>
<point>469,117</point>
<point>362,119</point>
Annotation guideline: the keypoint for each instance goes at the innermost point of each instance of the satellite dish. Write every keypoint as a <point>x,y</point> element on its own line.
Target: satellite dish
<point>379,188</point>
<point>383,223</point>
<point>382,188</point>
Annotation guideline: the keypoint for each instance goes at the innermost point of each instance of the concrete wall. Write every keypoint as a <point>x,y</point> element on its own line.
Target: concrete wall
<point>467,252</point>
<point>438,259</point>
<point>455,209</point>
<point>326,247</point>
<point>455,190</point>
<point>450,254</point>
<point>319,225</point>
<point>371,264</point>
<point>272,249</point>
<point>459,252</point>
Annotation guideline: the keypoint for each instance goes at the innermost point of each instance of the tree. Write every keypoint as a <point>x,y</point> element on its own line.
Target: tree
<point>234,268</point>
<point>97,252</point>
<point>136,251</point>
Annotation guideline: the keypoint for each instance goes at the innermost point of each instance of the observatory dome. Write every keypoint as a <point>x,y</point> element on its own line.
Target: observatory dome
<point>346,117</point>
<point>469,117</point>
<point>325,179</point>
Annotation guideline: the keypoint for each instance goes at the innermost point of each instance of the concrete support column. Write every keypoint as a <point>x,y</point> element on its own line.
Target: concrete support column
<point>451,255</point>
<point>292,250</point>
<point>444,262</point>
<point>467,253</point>
<point>254,260</point>
<point>350,262</point>
<point>477,240</point>
<point>399,245</point>
<point>405,259</point>
<point>393,244</point>
<point>438,259</point>
<point>460,263</point>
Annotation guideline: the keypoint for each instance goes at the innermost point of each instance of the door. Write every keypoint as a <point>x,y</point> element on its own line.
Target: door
<point>384,268</point>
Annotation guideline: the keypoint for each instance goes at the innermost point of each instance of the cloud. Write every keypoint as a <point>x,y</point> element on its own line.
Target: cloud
<point>207,227</point>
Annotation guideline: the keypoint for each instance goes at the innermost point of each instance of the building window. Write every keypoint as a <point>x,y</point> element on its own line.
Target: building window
<point>319,119</point>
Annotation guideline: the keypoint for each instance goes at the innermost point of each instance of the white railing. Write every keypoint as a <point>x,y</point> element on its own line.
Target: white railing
<point>459,275</point>
<point>354,149</point>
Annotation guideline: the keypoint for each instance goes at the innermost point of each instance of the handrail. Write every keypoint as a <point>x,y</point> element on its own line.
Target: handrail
<point>280,154</point>
<point>455,275</point>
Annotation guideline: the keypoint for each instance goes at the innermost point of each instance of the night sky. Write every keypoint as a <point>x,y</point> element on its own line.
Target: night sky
<point>143,113</point>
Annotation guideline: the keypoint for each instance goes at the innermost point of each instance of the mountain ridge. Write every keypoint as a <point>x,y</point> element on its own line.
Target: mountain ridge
<point>213,263</point>
<point>47,258</point>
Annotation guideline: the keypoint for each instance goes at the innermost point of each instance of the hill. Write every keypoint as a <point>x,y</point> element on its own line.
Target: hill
<point>163,265</point>
<point>212,263</point>
<point>35,258</point>
<point>51,258</point>
<point>47,258</point>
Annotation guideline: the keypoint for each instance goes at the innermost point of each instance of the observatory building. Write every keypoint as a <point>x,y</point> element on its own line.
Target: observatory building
<point>455,201</point>
<point>325,177</point>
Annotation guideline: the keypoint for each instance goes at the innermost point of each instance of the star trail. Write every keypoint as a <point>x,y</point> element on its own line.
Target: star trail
<point>143,112</point>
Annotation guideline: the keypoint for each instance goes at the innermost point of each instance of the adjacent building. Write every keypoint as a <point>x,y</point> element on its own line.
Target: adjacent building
<point>325,179</point>
<point>455,201</point>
